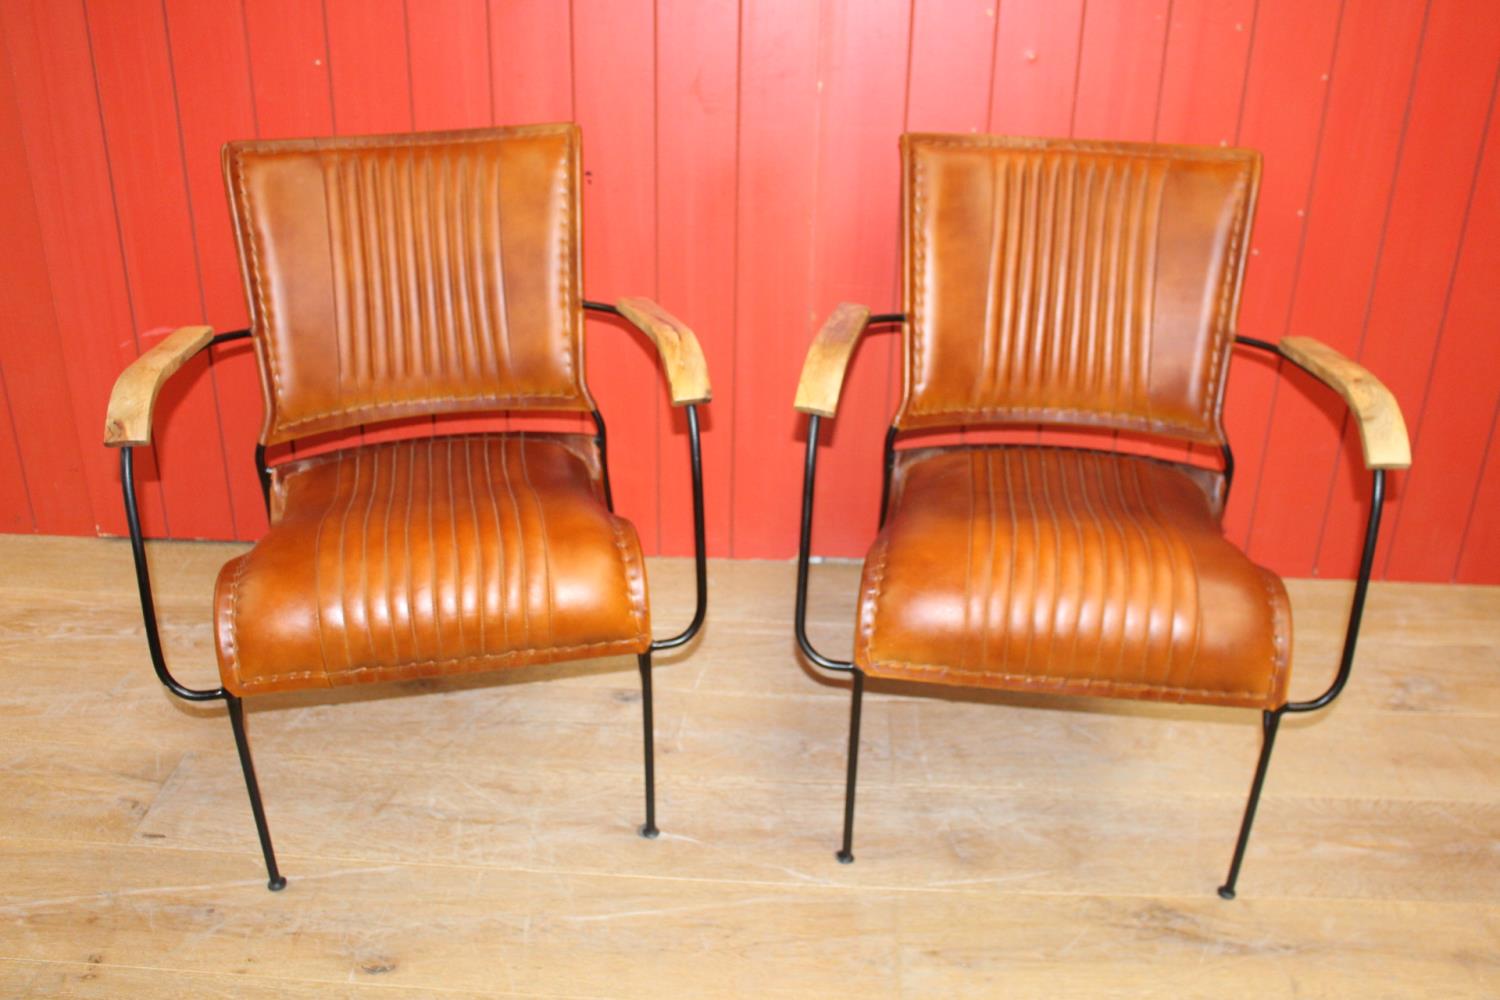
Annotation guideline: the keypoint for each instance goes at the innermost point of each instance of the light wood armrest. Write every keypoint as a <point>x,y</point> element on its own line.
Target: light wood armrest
<point>687,372</point>
<point>1382,431</point>
<point>828,358</point>
<point>128,421</point>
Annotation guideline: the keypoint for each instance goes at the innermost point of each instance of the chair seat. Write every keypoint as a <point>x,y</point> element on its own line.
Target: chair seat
<point>1072,572</point>
<point>429,557</point>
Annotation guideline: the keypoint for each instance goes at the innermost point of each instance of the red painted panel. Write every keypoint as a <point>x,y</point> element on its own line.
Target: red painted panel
<point>531,62</point>
<point>1432,531</point>
<point>1479,553</point>
<point>56,95</point>
<point>15,505</point>
<point>1120,69</point>
<point>952,63</point>
<point>289,67</point>
<point>1285,92</point>
<point>211,67</point>
<point>775,318</point>
<point>450,63</point>
<point>138,106</point>
<point>616,109</point>
<point>1372,76</point>
<point>1203,75</point>
<point>369,67</point>
<point>39,442</point>
<point>1440,153</point>
<point>695,164</point>
<point>856,247</point>
<point>1036,66</point>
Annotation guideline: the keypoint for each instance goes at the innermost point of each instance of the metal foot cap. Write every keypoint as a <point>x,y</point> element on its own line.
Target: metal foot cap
<point>277,884</point>
<point>845,857</point>
<point>650,832</point>
<point>1225,892</point>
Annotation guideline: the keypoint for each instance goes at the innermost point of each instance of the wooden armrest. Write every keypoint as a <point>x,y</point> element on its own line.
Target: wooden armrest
<point>828,358</point>
<point>1382,431</point>
<point>687,372</point>
<point>128,421</point>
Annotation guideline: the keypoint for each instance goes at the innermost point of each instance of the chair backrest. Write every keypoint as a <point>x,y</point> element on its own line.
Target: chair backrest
<point>391,276</point>
<point>1064,282</point>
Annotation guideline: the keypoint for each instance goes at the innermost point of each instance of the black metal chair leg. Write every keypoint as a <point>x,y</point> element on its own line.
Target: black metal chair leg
<point>649,830</point>
<point>1269,722</point>
<point>846,854</point>
<point>237,719</point>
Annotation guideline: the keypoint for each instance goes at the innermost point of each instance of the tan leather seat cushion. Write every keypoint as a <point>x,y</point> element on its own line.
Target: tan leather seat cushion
<point>1071,572</point>
<point>428,557</point>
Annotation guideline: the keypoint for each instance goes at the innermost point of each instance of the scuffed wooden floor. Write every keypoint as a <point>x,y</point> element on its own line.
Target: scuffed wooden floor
<point>477,838</point>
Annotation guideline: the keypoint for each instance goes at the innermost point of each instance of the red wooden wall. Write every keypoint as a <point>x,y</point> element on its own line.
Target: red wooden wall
<point>741,167</point>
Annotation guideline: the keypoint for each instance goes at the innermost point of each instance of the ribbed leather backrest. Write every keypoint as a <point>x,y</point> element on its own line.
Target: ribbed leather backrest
<point>391,276</point>
<point>1054,281</point>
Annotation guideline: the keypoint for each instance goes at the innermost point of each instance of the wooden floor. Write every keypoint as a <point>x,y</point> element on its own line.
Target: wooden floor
<point>477,838</point>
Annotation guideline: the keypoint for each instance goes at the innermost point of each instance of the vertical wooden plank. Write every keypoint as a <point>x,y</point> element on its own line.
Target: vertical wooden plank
<point>697,72</point>
<point>449,41</point>
<point>1037,48</point>
<point>856,231</point>
<point>952,63</point>
<point>1450,103</point>
<point>1432,531</point>
<point>15,504</point>
<point>58,101</point>
<point>774,317</point>
<point>289,67</point>
<point>368,66</point>
<point>42,485</point>
<point>1120,69</point>
<point>211,69</point>
<point>531,62</point>
<point>1479,553</point>
<point>1203,73</point>
<point>615,87</point>
<point>1286,89</point>
<point>1368,101</point>
<point>139,112</point>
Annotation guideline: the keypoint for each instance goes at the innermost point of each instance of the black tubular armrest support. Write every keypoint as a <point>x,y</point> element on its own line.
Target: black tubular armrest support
<point>700,554</point>
<point>143,583</point>
<point>804,553</point>
<point>1361,581</point>
<point>700,557</point>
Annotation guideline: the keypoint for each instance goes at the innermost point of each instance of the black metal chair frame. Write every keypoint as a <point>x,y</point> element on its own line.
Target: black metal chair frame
<point>1270,718</point>
<point>276,881</point>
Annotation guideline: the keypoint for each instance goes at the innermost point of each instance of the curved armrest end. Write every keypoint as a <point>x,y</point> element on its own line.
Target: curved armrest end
<point>128,420</point>
<point>1382,430</point>
<point>681,355</point>
<point>828,359</point>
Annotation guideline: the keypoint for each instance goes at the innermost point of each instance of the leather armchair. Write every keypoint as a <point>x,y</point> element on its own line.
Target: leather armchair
<point>1088,284</point>
<point>395,276</point>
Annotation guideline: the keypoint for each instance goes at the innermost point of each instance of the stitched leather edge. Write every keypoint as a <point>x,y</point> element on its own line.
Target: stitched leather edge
<point>512,658</point>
